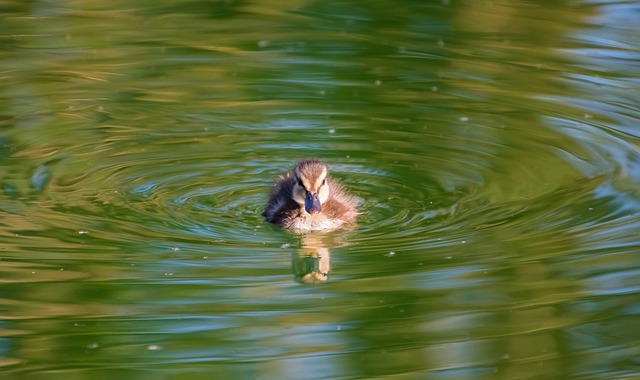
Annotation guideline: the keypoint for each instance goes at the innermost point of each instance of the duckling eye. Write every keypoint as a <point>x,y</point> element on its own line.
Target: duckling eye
<point>324,181</point>
<point>300,183</point>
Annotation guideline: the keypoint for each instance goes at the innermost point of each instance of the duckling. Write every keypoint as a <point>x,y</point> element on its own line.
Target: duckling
<point>309,200</point>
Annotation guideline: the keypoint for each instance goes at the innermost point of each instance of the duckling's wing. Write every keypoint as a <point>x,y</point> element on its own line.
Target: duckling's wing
<point>280,203</point>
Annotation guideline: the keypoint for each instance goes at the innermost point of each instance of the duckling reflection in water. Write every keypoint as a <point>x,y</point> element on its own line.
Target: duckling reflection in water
<point>309,200</point>
<point>311,267</point>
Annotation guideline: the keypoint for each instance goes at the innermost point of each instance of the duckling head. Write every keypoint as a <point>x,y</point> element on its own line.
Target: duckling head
<point>311,188</point>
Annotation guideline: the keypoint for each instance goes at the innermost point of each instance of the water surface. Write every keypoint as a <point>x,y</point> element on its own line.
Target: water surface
<point>494,145</point>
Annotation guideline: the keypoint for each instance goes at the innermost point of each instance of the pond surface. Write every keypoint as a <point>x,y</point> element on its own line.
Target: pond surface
<point>495,147</point>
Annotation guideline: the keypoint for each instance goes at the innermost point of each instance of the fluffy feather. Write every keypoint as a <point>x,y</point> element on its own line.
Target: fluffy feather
<point>286,206</point>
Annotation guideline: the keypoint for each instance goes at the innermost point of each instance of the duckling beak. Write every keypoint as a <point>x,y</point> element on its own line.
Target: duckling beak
<point>312,203</point>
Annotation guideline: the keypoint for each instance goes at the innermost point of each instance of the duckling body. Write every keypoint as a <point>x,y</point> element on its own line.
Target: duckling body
<point>309,200</point>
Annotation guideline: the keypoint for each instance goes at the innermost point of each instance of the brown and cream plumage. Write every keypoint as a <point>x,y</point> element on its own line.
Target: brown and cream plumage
<point>309,200</point>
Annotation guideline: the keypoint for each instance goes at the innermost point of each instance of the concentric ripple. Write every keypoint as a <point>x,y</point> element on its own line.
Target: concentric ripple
<point>494,147</point>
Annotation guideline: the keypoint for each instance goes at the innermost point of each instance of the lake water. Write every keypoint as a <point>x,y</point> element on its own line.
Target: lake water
<point>495,146</point>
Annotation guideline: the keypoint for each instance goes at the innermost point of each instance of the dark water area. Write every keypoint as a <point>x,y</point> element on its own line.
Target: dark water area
<point>495,147</point>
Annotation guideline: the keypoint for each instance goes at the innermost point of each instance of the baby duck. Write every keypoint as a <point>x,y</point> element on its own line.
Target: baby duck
<point>310,200</point>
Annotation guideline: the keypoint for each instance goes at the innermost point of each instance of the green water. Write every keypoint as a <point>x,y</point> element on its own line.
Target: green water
<point>495,147</point>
